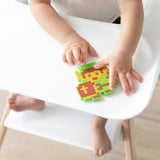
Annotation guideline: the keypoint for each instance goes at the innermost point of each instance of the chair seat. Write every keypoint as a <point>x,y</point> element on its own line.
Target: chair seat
<point>62,124</point>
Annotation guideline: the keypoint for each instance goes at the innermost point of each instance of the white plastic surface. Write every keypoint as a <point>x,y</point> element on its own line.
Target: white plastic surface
<point>61,124</point>
<point>30,61</point>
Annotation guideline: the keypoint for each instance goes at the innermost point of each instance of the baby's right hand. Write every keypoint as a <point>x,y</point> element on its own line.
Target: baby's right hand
<point>77,48</point>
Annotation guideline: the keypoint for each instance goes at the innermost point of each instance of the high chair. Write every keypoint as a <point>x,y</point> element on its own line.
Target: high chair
<point>31,65</point>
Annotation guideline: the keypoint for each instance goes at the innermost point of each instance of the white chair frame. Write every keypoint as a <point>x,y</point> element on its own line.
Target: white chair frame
<point>127,125</point>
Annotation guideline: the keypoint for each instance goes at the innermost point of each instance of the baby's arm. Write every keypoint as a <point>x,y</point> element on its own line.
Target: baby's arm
<point>120,61</point>
<point>74,45</point>
<point>131,25</point>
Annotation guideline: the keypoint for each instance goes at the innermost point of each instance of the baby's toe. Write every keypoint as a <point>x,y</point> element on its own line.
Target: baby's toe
<point>10,105</point>
<point>12,98</point>
<point>110,147</point>
<point>96,152</point>
<point>101,152</point>
<point>14,107</point>
<point>13,95</point>
<point>10,101</point>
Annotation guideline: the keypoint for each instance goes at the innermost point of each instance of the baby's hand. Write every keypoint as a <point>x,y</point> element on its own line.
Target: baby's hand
<point>77,48</point>
<point>120,66</point>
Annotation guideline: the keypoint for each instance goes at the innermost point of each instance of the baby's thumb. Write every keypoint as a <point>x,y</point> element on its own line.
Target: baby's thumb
<point>101,64</point>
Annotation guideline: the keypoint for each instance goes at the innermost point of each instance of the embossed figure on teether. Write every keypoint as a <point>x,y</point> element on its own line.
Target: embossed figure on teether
<point>93,82</point>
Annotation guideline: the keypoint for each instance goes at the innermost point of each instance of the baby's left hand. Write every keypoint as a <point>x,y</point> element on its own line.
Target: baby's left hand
<point>120,66</point>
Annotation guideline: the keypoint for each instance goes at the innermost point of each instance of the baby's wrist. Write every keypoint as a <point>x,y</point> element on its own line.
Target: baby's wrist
<point>69,36</point>
<point>123,52</point>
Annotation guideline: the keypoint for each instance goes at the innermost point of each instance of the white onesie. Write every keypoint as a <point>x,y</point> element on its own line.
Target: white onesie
<point>100,10</point>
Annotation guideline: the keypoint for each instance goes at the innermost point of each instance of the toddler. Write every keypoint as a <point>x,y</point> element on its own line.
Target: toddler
<point>76,49</point>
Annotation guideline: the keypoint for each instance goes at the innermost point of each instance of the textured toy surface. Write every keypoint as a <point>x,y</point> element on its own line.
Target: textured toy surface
<point>93,82</point>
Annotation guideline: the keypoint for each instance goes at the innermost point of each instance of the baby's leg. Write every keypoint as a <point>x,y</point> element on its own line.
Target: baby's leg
<point>19,103</point>
<point>100,139</point>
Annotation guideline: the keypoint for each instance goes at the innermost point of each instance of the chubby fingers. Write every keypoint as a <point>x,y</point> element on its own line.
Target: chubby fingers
<point>101,64</point>
<point>84,53</point>
<point>92,51</point>
<point>77,55</point>
<point>127,81</point>
<point>112,77</point>
<point>72,53</point>
<point>87,50</point>
<point>69,57</point>
<point>64,59</point>
<point>124,82</point>
<point>137,75</point>
<point>130,82</point>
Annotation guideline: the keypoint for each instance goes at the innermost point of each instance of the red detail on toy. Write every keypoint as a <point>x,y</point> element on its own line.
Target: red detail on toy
<point>90,70</point>
<point>108,91</point>
<point>101,85</point>
<point>97,96</point>
<point>86,89</point>
<point>94,78</point>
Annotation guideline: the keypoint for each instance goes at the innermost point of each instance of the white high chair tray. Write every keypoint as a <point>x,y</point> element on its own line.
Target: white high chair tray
<point>31,63</point>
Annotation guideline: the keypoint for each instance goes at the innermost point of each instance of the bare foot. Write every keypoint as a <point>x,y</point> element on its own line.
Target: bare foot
<point>100,140</point>
<point>19,103</point>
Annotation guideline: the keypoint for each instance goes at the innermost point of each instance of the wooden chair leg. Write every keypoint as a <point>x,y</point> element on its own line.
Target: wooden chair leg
<point>158,83</point>
<point>2,127</point>
<point>129,142</point>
